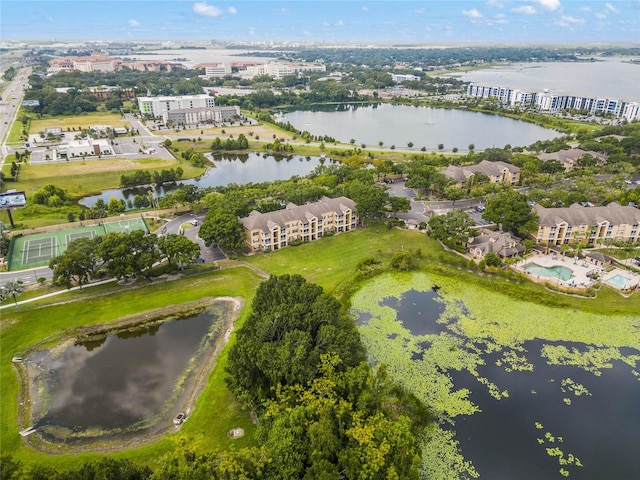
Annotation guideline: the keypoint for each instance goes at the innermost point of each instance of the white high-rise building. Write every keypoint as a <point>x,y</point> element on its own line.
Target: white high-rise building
<point>156,106</point>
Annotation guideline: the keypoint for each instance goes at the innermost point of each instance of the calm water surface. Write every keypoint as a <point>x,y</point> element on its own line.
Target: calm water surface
<point>240,169</point>
<point>124,380</point>
<point>423,126</point>
<point>612,77</point>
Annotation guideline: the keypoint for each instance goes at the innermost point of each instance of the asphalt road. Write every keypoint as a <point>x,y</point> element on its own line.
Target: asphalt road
<point>9,106</point>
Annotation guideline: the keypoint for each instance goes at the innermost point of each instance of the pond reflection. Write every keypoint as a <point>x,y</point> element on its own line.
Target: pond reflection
<point>125,379</point>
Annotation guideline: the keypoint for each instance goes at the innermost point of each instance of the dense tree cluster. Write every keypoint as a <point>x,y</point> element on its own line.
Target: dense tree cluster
<point>422,57</point>
<point>298,362</point>
<point>453,228</point>
<point>119,255</point>
<point>240,143</point>
<point>144,177</point>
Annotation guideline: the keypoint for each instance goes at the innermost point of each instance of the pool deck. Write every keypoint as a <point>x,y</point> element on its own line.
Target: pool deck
<point>580,269</point>
<point>633,277</point>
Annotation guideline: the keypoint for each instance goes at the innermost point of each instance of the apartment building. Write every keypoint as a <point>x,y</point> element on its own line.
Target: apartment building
<point>156,106</point>
<point>194,116</point>
<point>546,101</point>
<point>588,225</point>
<point>498,172</point>
<point>279,70</point>
<point>275,230</point>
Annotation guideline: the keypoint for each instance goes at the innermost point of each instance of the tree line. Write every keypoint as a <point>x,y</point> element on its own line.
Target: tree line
<point>145,177</point>
<point>120,255</point>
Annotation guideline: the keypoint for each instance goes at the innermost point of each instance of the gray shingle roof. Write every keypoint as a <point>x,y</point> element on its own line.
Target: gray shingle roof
<point>579,215</point>
<point>302,213</point>
<point>485,167</point>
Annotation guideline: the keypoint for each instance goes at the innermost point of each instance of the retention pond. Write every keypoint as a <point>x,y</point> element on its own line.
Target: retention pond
<point>115,386</point>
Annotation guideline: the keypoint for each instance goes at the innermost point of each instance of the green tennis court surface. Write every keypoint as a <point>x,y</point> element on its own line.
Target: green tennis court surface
<point>38,249</point>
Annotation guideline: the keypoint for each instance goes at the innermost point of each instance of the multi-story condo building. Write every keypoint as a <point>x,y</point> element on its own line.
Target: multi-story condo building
<point>548,102</point>
<point>193,116</point>
<point>587,225</point>
<point>156,106</point>
<point>403,77</point>
<point>279,70</point>
<point>275,230</point>
<point>498,172</point>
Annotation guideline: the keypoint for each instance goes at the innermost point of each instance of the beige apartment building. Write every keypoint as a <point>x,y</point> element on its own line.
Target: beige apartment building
<point>498,172</point>
<point>276,230</point>
<point>588,225</point>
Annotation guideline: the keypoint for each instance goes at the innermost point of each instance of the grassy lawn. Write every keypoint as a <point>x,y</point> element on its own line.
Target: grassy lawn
<point>77,122</point>
<point>15,133</point>
<point>85,177</point>
<point>216,412</point>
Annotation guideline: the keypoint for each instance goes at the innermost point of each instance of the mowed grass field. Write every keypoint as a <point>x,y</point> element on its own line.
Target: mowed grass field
<point>77,122</point>
<point>84,177</point>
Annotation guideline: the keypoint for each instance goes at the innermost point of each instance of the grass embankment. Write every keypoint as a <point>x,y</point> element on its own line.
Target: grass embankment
<point>216,411</point>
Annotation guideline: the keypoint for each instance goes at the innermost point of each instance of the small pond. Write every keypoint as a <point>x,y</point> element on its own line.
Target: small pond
<point>129,382</point>
<point>522,397</point>
<point>250,168</point>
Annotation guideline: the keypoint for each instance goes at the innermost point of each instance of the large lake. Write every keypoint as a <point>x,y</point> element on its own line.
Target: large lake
<point>608,77</point>
<point>422,126</point>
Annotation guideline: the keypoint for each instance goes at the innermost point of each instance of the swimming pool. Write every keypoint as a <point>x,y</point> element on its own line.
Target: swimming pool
<point>557,271</point>
<point>619,281</point>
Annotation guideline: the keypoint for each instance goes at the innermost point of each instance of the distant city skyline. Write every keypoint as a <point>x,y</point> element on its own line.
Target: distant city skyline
<point>319,21</point>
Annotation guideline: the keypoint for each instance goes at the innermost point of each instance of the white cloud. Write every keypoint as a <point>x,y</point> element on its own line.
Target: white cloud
<point>49,18</point>
<point>500,18</point>
<point>549,4</point>
<point>201,8</point>
<point>365,9</point>
<point>585,9</point>
<point>339,23</point>
<point>420,11</point>
<point>232,11</point>
<point>567,21</point>
<point>284,10</point>
<point>474,13</point>
<point>524,10</point>
<point>600,16</point>
<point>133,23</point>
<point>611,8</point>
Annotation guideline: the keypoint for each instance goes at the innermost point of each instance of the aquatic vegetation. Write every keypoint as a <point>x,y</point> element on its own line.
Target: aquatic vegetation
<point>469,333</point>
<point>577,389</point>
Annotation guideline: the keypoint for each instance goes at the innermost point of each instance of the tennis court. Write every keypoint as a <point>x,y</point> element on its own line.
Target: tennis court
<point>38,249</point>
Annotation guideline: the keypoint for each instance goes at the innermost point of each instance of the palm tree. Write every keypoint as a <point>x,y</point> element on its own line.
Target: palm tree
<point>11,289</point>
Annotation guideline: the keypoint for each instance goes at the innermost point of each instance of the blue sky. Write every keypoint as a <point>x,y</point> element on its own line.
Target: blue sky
<point>401,22</point>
